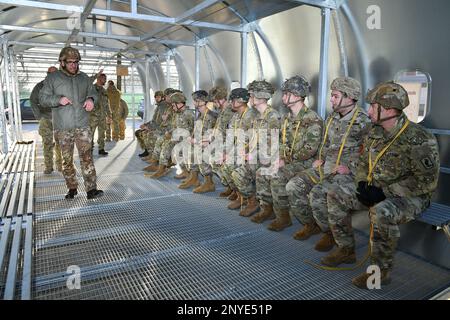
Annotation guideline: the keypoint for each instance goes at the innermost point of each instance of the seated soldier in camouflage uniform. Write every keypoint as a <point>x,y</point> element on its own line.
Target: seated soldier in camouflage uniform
<point>155,135</point>
<point>396,177</point>
<point>268,119</point>
<point>148,127</point>
<point>218,96</point>
<point>242,120</point>
<point>206,120</point>
<point>301,133</point>
<point>183,119</point>
<point>345,130</point>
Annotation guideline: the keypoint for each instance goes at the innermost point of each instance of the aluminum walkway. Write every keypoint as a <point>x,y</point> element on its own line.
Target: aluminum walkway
<point>147,239</point>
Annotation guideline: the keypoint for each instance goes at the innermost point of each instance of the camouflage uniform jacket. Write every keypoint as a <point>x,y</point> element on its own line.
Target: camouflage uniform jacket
<point>77,88</point>
<point>157,123</point>
<point>101,109</point>
<point>183,120</point>
<point>204,122</point>
<point>337,129</point>
<point>300,136</point>
<point>269,120</point>
<point>409,167</point>
<point>39,110</point>
<point>243,122</point>
<point>222,121</point>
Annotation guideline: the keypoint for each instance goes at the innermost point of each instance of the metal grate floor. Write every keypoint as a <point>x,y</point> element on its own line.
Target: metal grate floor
<point>147,239</point>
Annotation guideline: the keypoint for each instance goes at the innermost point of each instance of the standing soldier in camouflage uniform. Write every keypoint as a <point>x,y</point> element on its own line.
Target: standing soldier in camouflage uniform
<point>242,120</point>
<point>146,128</point>
<point>206,121</point>
<point>301,132</point>
<point>98,116</point>
<point>114,105</point>
<point>396,177</point>
<point>183,119</point>
<point>344,133</point>
<point>71,94</point>
<point>267,119</point>
<point>44,115</point>
<point>123,118</point>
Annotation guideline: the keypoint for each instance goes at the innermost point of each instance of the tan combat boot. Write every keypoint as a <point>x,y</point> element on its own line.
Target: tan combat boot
<point>282,221</point>
<point>147,158</point>
<point>237,203</point>
<point>162,171</point>
<point>339,256</point>
<point>326,243</point>
<point>183,175</point>
<point>307,231</point>
<point>266,214</point>
<point>361,280</point>
<point>191,182</point>
<point>233,196</point>
<point>251,207</point>
<point>207,186</point>
<point>226,193</point>
<point>151,167</point>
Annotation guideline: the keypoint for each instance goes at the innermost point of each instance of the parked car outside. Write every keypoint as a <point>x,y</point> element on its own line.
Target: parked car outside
<point>25,110</point>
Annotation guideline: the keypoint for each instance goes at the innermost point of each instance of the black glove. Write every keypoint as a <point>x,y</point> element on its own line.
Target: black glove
<point>369,195</point>
<point>362,193</point>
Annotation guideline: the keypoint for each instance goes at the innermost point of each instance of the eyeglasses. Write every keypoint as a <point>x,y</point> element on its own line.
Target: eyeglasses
<point>71,62</point>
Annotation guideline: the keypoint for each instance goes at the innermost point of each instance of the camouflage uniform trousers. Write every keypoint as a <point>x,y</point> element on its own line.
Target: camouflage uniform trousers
<point>386,216</point>
<point>318,196</point>
<point>99,122</point>
<point>226,171</point>
<point>108,132</point>
<point>122,127</point>
<point>297,190</point>
<point>82,139</point>
<point>139,134</point>
<point>244,179</point>
<point>46,132</point>
<point>115,127</point>
<point>271,189</point>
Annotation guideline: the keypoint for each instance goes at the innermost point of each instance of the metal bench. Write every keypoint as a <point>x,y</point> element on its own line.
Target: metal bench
<point>16,221</point>
<point>437,215</point>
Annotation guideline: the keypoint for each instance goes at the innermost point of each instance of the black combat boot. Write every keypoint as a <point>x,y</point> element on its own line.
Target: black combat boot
<point>102,152</point>
<point>144,154</point>
<point>94,193</point>
<point>71,194</point>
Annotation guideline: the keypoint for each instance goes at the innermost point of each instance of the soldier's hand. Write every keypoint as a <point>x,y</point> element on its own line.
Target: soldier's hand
<point>317,163</point>
<point>88,105</point>
<point>108,120</point>
<point>341,169</point>
<point>64,101</point>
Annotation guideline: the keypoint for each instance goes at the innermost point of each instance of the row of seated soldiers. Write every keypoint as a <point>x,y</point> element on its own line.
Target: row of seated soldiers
<point>377,161</point>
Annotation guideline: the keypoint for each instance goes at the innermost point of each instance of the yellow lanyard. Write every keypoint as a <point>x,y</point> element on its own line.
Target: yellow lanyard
<point>382,152</point>
<point>203,120</point>
<point>344,140</point>
<point>258,127</point>
<point>240,122</point>
<point>293,140</point>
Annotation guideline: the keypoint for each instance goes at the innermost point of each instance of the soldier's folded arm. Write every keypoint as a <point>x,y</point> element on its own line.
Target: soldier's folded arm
<point>309,143</point>
<point>46,95</point>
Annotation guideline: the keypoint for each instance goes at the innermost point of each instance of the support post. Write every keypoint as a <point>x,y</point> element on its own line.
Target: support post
<point>244,62</point>
<point>323,72</point>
